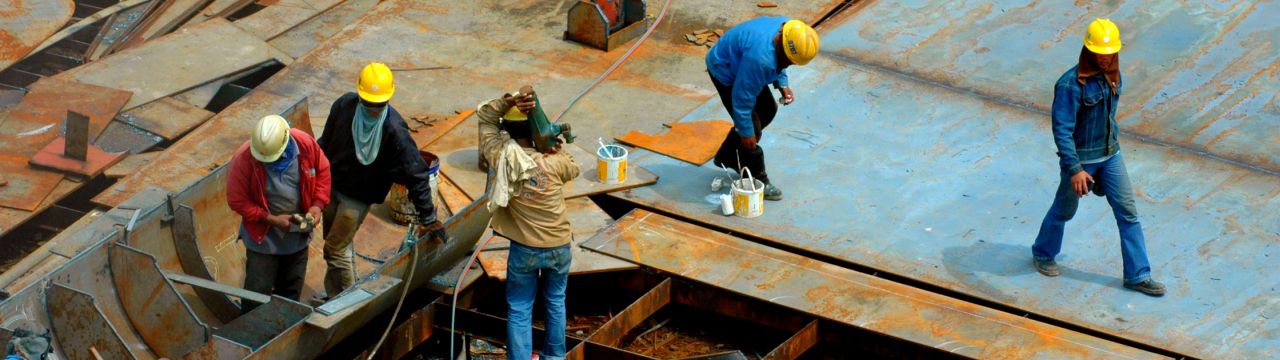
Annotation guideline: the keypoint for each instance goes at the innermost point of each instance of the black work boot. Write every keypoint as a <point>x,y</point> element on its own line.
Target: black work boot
<point>1149,287</point>
<point>772,193</point>
<point>1047,267</point>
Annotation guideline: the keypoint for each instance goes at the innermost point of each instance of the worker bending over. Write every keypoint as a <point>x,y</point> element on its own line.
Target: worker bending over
<point>278,182</point>
<point>369,147</point>
<point>742,64</point>
<point>528,202</point>
<point>1084,129</point>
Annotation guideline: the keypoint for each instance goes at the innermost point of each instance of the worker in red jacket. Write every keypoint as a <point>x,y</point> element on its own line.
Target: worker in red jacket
<point>278,183</point>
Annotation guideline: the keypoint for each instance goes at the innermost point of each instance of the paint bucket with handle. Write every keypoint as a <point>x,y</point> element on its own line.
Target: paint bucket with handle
<point>611,164</point>
<point>748,195</point>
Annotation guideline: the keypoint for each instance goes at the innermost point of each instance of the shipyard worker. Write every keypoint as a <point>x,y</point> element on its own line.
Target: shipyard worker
<point>369,146</point>
<point>742,64</point>
<point>1084,129</point>
<point>529,209</point>
<point>278,181</point>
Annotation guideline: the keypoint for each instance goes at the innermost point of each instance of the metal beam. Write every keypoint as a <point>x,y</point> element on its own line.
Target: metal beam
<point>802,341</point>
<point>187,245</point>
<point>841,295</point>
<point>612,332</point>
<point>218,287</point>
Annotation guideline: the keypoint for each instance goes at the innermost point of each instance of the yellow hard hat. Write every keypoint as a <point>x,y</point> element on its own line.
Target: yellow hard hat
<point>1103,37</point>
<point>270,138</point>
<point>514,114</point>
<point>799,42</point>
<point>376,85</point>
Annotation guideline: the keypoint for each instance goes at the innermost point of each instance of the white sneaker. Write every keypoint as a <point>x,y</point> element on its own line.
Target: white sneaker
<point>717,184</point>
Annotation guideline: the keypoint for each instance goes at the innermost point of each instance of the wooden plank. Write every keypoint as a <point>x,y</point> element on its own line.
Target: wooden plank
<point>461,166</point>
<point>167,117</point>
<point>157,69</point>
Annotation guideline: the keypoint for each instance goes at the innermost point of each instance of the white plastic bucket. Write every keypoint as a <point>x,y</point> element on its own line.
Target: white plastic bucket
<point>748,195</point>
<point>611,164</point>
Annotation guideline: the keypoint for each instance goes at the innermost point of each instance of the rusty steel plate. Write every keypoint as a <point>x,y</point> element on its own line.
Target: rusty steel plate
<point>155,308</point>
<point>49,100</point>
<point>166,117</point>
<point>25,24</point>
<point>27,187</point>
<point>284,15</point>
<point>97,160</point>
<point>694,142</point>
<point>307,35</point>
<point>907,171</point>
<point>185,60</point>
<point>538,52</point>
<point>842,295</point>
<point>79,326</point>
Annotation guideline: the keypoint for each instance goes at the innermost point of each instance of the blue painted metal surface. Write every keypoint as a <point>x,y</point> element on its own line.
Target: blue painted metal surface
<point>941,177</point>
<point>1198,74</point>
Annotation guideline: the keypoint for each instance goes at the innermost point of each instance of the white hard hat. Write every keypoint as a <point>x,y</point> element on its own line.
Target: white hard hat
<point>270,138</point>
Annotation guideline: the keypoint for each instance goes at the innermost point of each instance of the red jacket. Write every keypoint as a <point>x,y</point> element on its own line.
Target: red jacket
<point>247,183</point>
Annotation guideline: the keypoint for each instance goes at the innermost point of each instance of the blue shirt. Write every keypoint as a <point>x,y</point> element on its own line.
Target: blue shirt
<point>746,60</point>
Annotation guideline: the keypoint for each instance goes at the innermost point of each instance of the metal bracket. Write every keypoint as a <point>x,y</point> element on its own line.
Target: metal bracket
<point>344,301</point>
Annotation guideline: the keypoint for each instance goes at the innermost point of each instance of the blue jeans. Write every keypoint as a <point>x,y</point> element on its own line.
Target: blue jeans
<point>1113,180</point>
<point>527,268</point>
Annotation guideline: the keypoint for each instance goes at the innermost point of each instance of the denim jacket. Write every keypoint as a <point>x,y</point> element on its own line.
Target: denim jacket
<point>1084,120</point>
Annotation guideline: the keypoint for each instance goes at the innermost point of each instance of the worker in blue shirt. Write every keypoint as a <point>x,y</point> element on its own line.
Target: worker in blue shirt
<point>748,58</point>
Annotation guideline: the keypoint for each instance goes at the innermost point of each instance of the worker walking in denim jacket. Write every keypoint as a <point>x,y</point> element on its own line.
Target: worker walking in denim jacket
<point>1085,132</point>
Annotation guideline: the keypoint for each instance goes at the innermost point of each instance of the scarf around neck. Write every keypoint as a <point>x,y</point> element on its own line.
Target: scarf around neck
<point>1088,67</point>
<point>367,132</point>
<point>286,159</point>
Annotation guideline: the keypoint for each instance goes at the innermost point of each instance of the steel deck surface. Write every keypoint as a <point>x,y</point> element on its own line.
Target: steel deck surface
<point>843,295</point>
<point>937,184</point>
<point>490,48</point>
<point>24,24</point>
<point>1197,74</point>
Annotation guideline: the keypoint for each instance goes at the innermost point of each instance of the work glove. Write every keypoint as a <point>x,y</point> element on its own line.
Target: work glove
<point>431,227</point>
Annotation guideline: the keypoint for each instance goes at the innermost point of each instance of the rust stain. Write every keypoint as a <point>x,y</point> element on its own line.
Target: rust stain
<point>11,47</point>
<point>695,142</point>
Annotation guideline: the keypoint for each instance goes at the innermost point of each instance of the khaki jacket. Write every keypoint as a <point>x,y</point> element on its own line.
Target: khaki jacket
<point>536,217</point>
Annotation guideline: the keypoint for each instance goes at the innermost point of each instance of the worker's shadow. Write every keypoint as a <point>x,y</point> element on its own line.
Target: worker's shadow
<point>969,264</point>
